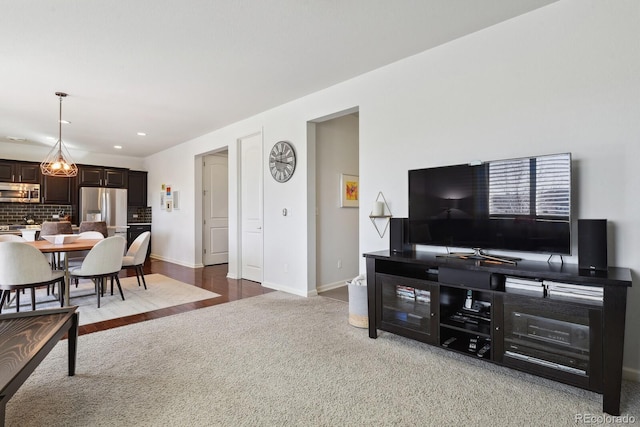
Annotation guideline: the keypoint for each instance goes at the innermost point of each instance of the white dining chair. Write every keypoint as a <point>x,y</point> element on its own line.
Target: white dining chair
<point>16,238</point>
<point>135,256</point>
<point>23,266</point>
<point>78,256</point>
<point>104,260</point>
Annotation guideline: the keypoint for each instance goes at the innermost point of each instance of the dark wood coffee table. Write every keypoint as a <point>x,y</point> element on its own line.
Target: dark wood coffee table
<point>25,340</point>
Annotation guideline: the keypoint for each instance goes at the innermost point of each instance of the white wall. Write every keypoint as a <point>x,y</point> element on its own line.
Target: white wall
<point>563,78</point>
<point>337,228</point>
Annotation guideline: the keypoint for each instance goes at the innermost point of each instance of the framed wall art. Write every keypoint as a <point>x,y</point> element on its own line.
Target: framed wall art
<point>349,191</point>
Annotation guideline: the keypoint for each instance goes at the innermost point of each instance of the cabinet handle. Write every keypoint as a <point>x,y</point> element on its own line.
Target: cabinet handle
<point>433,314</point>
<point>497,328</point>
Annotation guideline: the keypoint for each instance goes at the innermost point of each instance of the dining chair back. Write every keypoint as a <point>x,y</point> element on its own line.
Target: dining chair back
<point>51,228</point>
<point>23,266</point>
<point>100,226</point>
<point>90,235</point>
<point>104,260</point>
<point>11,238</point>
<point>76,258</point>
<point>136,255</point>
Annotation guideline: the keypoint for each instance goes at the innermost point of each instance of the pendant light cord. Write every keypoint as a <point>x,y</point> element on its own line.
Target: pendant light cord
<point>60,125</point>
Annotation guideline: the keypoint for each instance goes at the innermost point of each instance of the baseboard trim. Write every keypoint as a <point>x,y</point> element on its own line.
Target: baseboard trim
<point>289,290</point>
<point>174,261</point>
<point>330,286</point>
<point>631,374</point>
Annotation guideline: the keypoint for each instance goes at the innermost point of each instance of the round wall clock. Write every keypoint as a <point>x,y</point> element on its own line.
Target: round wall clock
<point>282,161</point>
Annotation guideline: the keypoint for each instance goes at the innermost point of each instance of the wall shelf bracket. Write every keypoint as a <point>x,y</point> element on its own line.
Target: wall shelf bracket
<point>381,222</point>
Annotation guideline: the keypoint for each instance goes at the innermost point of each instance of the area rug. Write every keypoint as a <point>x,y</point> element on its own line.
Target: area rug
<point>161,292</point>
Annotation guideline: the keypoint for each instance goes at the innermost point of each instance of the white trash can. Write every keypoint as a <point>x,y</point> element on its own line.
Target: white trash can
<point>358,312</point>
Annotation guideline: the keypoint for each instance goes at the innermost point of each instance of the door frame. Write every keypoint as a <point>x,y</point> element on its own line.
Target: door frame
<point>235,212</point>
<point>312,240</point>
<point>239,201</point>
<point>198,208</point>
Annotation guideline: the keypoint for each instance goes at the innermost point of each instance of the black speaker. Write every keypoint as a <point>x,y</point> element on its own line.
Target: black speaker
<point>468,278</point>
<point>592,244</point>
<point>399,235</point>
<point>497,282</point>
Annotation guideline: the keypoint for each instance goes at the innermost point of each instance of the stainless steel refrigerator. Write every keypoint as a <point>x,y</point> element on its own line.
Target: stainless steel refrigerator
<point>105,204</point>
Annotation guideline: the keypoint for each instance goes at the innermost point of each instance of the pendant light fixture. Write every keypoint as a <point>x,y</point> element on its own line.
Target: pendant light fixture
<point>58,162</point>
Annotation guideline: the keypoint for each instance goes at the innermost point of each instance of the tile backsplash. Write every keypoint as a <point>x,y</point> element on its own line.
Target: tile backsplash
<point>15,213</point>
<point>142,214</point>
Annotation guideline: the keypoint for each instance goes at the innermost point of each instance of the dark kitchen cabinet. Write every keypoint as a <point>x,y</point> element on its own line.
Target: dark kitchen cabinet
<point>137,188</point>
<point>96,176</point>
<point>6,171</point>
<point>28,172</point>
<point>16,171</point>
<point>57,190</point>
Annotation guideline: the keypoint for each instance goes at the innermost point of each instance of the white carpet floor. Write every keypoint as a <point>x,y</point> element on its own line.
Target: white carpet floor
<point>284,360</point>
<point>161,292</point>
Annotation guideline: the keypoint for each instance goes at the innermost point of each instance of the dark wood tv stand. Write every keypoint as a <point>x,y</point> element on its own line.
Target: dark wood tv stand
<point>569,336</point>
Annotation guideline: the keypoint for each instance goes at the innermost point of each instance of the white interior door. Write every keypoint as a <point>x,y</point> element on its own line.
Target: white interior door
<point>216,209</point>
<point>251,206</point>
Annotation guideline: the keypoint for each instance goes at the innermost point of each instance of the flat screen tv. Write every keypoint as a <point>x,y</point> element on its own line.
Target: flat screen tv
<point>519,204</point>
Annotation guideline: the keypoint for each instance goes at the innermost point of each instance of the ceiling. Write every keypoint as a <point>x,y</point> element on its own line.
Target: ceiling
<point>178,69</point>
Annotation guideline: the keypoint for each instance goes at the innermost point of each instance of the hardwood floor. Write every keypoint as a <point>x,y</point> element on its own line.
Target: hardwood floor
<point>212,278</point>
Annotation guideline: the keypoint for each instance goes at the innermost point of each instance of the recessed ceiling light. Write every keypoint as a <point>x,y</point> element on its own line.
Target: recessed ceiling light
<point>118,147</point>
<point>142,134</point>
<point>65,122</point>
<point>16,138</point>
<point>51,138</point>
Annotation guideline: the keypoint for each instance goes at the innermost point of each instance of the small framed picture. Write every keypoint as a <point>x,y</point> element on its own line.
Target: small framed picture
<point>349,191</point>
<point>176,200</point>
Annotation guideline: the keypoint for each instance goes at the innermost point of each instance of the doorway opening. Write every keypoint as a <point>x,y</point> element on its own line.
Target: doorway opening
<point>337,256</point>
<point>215,208</point>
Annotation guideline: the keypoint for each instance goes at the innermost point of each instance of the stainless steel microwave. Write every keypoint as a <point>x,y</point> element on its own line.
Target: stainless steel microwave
<point>19,193</point>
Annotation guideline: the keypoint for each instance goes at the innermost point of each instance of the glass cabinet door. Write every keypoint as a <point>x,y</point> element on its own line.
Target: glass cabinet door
<point>559,339</point>
<point>409,305</point>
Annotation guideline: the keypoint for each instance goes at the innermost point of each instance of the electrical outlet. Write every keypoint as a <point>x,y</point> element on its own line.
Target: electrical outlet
<point>55,216</point>
<point>340,263</point>
<point>286,268</point>
<point>135,215</point>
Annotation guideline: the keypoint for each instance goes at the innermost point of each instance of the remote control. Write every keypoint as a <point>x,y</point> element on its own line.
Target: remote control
<point>448,342</point>
<point>483,350</point>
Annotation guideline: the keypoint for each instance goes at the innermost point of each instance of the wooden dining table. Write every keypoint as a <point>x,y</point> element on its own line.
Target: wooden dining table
<point>47,247</point>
